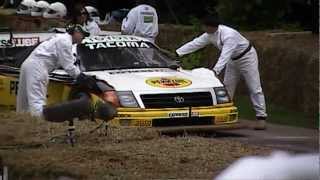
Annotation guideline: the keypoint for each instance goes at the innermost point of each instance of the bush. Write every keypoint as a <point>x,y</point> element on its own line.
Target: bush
<point>253,14</point>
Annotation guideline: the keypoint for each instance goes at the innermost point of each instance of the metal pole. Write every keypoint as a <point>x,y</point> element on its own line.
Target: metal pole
<point>70,134</point>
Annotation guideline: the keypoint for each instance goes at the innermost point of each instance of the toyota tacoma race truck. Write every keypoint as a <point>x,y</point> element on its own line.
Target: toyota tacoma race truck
<point>149,88</point>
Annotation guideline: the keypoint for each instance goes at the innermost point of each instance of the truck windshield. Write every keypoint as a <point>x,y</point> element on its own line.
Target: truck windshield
<point>108,56</point>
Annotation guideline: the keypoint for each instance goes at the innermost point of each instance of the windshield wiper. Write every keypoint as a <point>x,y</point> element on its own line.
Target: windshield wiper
<point>115,68</point>
<point>171,66</point>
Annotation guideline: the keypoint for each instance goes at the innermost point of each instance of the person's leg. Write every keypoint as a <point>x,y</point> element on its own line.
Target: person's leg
<point>250,72</point>
<point>37,92</point>
<point>22,100</point>
<point>231,78</point>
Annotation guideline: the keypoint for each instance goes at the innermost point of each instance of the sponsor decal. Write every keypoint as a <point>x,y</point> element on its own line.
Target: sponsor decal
<point>98,39</point>
<point>20,42</point>
<point>115,44</point>
<point>178,114</point>
<point>195,114</point>
<point>148,19</point>
<point>28,41</point>
<point>97,42</point>
<point>168,82</point>
<point>144,123</point>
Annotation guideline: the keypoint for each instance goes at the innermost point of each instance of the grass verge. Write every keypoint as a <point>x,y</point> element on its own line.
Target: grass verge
<point>276,114</point>
<point>125,153</point>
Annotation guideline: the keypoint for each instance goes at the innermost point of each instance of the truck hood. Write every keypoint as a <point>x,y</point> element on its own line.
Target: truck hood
<point>158,79</point>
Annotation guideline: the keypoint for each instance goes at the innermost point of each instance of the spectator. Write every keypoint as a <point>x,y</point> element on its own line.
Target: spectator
<point>84,18</point>
<point>142,21</point>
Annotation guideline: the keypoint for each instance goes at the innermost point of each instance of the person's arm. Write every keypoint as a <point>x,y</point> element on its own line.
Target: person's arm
<point>95,29</point>
<point>129,23</point>
<point>156,31</point>
<point>194,45</point>
<point>225,56</point>
<point>65,58</point>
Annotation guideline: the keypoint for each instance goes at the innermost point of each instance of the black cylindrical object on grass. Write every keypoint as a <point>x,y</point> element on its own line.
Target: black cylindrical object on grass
<point>77,108</point>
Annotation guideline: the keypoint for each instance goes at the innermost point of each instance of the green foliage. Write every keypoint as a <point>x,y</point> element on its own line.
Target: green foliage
<point>253,14</point>
<point>193,60</point>
<point>276,114</point>
<point>291,27</point>
<point>196,24</point>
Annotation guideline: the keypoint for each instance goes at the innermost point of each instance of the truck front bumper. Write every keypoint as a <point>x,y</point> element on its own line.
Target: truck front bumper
<point>222,116</point>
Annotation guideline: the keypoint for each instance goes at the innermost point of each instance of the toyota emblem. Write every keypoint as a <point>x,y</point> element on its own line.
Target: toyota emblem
<point>178,99</point>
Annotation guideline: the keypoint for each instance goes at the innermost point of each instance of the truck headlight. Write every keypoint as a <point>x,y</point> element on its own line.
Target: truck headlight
<point>221,95</point>
<point>127,99</point>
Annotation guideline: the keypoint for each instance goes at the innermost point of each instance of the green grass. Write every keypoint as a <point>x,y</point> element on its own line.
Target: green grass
<point>276,114</point>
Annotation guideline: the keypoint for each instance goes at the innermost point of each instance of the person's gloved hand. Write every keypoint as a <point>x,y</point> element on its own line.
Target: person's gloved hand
<point>215,73</point>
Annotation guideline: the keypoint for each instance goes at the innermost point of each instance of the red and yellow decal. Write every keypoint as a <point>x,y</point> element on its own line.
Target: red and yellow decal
<point>168,82</point>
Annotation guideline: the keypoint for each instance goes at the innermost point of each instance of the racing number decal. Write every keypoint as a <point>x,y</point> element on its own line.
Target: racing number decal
<point>13,88</point>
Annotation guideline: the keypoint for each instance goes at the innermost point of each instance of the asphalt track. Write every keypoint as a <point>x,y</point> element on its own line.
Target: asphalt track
<point>278,137</point>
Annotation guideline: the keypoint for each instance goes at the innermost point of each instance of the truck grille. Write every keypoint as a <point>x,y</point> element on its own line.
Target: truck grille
<point>193,121</point>
<point>177,100</point>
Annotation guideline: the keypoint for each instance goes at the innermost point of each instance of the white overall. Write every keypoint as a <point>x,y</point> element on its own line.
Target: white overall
<point>231,44</point>
<point>34,74</point>
<point>141,21</point>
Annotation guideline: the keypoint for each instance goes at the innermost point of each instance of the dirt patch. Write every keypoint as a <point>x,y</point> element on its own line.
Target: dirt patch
<point>125,153</point>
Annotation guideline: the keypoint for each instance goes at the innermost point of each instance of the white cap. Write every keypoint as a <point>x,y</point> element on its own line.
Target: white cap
<point>39,8</point>
<point>25,7</point>
<point>56,10</point>
<point>93,13</point>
